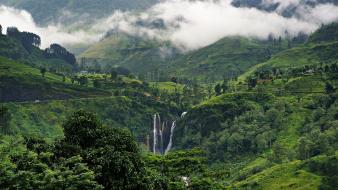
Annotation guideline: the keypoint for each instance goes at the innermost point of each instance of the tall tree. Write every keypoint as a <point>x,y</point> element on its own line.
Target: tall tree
<point>111,153</point>
<point>218,89</point>
<point>43,71</point>
<point>5,118</point>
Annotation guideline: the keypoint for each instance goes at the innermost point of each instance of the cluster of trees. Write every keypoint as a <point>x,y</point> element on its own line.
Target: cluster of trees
<point>299,39</point>
<point>90,156</point>
<point>272,73</point>
<point>57,51</point>
<point>94,156</point>
<point>320,130</point>
<point>233,126</point>
<point>5,118</point>
<point>182,170</point>
<point>222,88</point>
<point>28,40</point>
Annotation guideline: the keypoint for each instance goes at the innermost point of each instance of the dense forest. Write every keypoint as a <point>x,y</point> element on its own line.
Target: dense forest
<point>240,113</point>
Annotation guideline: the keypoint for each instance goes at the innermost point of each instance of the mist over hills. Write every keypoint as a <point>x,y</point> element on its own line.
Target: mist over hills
<point>188,25</point>
<point>65,11</point>
<point>169,95</point>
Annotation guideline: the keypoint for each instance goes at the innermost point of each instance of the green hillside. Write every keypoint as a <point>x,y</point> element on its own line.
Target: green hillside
<point>141,56</point>
<point>12,48</point>
<point>45,118</point>
<point>227,58</point>
<point>327,33</point>
<point>238,114</point>
<point>20,82</point>
<point>277,129</point>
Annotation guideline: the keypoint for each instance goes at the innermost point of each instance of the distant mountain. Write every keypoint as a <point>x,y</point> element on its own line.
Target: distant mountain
<point>66,11</point>
<point>226,58</point>
<point>139,55</point>
<point>288,9</point>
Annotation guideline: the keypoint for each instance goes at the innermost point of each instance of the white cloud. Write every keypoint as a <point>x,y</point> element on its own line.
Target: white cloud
<point>188,24</point>
<point>50,34</point>
<point>195,24</point>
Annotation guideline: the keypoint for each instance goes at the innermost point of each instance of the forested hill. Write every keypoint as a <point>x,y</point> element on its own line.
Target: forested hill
<point>52,10</point>
<point>25,46</point>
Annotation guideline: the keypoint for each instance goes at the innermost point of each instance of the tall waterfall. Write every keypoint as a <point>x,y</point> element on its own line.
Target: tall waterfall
<point>161,133</point>
<point>171,137</point>
<point>155,134</point>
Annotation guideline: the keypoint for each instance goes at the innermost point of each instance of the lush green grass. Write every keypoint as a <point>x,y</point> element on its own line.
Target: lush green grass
<point>285,176</point>
<point>169,87</point>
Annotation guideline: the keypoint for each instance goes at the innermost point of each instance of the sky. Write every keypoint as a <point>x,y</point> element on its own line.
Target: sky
<point>189,25</point>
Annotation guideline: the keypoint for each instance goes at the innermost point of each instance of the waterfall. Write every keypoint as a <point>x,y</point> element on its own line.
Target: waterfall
<point>161,137</point>
<point>158,134</point>
<point>171,137</point>
<point>155,133</point>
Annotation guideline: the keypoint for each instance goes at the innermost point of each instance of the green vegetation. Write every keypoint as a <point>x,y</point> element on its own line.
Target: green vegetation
<point>227,58</point>
<point>273,127</point>
<point>141,56</point>
<point>20,82</point>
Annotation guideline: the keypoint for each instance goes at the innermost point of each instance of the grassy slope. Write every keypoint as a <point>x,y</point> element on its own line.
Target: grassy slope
<point>136,54</point>
<point>169,87</point>
<point>283,176</point>
<point>20,82</point>
<point>309,54</point>
<point>291,175</point>
<point>229,55</point>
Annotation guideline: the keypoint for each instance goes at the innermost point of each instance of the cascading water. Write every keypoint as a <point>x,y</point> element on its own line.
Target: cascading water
<point>160,134</point>
<point>183,114</point>
<point>155,133</point>
<point>171,137</point>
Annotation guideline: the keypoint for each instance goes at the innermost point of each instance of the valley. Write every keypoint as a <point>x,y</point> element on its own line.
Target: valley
<point>132,112</point>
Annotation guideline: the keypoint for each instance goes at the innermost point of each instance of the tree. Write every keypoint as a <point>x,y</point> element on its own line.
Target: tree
<point>174,80</point>
<point>225,86</point>
<point>83,80</point>
<point>252,82</point>
<point>113,75</point>
<point>13,32</point>
<point>0,29</point>
<point>25,167</point>
<point>111,153</point>
<point>97,83</point>
<point>329,89</point>
<point>57,51</point>
<point>5,118</point>
<point>218,89</point>
<point>303,148</point>
<point>43,71</point>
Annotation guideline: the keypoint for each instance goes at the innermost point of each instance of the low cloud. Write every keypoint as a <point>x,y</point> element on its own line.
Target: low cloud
<point>49,34</point>
<point>195,24</point>
<point>187,24</point>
